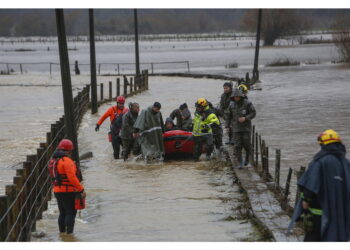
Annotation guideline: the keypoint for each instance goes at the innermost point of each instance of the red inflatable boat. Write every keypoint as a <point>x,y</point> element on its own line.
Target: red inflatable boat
<point>178,142</point>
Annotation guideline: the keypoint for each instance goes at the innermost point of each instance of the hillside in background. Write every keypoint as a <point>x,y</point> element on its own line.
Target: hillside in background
<point>41,22</point>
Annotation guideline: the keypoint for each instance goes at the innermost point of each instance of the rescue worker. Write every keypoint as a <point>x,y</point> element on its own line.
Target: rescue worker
<point>324,206</point>
<point>149,127</point>
<point>244,90</point>
<point>67,186</point>
<point>241,112</point>
<point>217,129</point>
<point>224,105</point>
<point>169,125</point>
<point>126,133</point>
<point>183,117</point>
<point>204,120</point>
<point>115,114</point>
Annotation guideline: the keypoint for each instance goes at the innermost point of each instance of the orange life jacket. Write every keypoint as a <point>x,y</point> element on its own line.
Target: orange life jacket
<point>68,175</point>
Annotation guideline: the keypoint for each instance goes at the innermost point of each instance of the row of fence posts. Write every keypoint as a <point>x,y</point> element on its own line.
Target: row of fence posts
<point>77,70</point>
<point>27,198</point>
<point>261,150</point>
<point>132,86</point>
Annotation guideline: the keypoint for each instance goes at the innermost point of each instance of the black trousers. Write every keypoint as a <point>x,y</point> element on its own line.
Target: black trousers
<point>67,210</point>
<point>315,234</point>
<point>116,143</point>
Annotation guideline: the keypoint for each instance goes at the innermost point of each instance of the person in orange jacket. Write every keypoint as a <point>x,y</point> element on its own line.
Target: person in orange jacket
<point>115,114</point>
<point>66,185</point>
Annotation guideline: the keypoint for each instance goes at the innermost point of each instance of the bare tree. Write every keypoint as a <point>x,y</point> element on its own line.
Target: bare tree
<point>275,23</point>
<point>341,37</point>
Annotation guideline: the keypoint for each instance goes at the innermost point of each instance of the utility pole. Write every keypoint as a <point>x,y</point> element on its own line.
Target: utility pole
<point>94,107</point>
<point>137,44</point>
<point>66,84</point>
<point>257,45</point>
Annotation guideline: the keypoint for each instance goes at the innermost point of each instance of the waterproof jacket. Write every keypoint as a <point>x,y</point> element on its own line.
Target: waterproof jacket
<point>328,178</point>
<point>225,102</point>
<point>203,122</point>
<point>127,130</point>
<point>112,113</point>
<point>243,108</point>
<point>150,125</point>
<point>183,118</point>
<point>68,172</point>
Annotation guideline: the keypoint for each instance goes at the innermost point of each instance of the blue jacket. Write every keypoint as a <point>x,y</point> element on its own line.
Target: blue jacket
<point>328,177</point>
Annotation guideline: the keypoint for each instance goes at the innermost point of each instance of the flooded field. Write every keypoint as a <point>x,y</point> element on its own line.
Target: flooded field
<point>135,203</point>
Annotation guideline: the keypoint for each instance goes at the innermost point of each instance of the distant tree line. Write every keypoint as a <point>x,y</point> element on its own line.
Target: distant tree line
<point>276,22</point>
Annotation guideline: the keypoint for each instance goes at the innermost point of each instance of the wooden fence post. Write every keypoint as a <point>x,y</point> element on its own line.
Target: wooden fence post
<point>135,84</point>
<point>4,224</point>
<point>101,91</point>
<point>131,85</point>
<point>256,149</point>
<point>252,145</point>
<point>267,162</point>
<point>110,90</point>
<point>277,169</point>
<point>10,191</point>
<point>146,77</point>
<point>33,159</point>
<point>125,87</point>
<point>118,86</point>
<point>286,190</point>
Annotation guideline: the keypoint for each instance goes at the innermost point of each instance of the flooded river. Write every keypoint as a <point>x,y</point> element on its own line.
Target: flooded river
<point>178,201</point>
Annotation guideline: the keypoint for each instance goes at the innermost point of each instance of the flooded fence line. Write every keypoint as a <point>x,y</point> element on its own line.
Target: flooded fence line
<point>27,198</point>
<point>114,68</point>
<point>260,149</point>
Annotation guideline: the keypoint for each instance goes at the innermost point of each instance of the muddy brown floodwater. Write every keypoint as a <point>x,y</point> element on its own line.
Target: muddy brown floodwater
<point>171,201</point>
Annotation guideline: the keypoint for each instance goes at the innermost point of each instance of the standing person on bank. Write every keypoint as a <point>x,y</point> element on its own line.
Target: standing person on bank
<point>241,112</point>
<point>225,101</point>
<point>67,185</point>
<point>324,206</point>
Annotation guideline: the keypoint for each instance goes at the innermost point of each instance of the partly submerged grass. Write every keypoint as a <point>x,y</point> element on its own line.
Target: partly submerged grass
<point>283,62</point>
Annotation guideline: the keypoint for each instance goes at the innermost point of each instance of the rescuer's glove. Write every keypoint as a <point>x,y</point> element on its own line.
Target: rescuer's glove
<point>97,127</point>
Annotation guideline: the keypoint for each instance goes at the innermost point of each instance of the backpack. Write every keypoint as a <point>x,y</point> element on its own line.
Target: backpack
<point>52,167</point>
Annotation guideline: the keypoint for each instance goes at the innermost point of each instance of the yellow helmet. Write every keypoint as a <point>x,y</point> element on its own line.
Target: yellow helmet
<point>328,136</point>
<point>243,88</point>
<point>202,102</point>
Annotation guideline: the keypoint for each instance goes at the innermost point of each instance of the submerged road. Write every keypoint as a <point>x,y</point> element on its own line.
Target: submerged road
<point>173,201</point>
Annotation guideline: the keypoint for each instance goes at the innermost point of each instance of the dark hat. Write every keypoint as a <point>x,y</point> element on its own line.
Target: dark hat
<point>183,106</point>
<point>157,105</point>
<point>228,84</point>
<point>237,92</point>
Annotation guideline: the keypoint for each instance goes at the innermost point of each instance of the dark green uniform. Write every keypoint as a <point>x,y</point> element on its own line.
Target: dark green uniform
<point>150,126</point>
<point>241,131</point>
<point>224,108</point>
<point>129,142</point>
<point>183,118</point>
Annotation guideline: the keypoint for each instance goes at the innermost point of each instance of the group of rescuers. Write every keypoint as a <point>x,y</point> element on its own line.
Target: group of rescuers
<point>324,205</point>
<point>143,133</point>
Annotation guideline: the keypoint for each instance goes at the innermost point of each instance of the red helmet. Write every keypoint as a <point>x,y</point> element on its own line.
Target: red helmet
<point>120,99</point>
<point>66,145</point>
